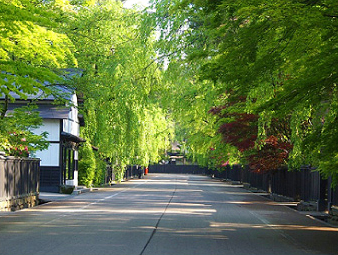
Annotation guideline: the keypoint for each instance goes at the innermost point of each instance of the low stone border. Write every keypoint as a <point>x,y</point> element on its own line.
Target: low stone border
<point>333,218</point>
<point>19,202</point>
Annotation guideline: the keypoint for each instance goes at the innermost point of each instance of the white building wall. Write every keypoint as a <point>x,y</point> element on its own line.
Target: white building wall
<point>50,156</point>
<point>72,125</point>
<point>52,126</point>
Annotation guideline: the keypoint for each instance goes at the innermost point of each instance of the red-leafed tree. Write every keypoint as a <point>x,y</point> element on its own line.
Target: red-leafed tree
<point>238,129</point>
<point>241,130</point>
<point>272,155</point>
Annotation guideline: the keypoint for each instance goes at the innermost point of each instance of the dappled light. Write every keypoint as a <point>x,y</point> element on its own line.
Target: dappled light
<point>96,92</point>
<point>135,211</point>
<point>236,226</point>
<point>161,212</point>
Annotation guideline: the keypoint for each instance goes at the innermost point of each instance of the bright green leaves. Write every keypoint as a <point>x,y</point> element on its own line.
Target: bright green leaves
<point>29,41</point>
<point>280,56</point>
<point>87,164</point>
<point>36,46</point>
<point>17,137</point>
<point>276,60</point>
<point>31,50</point>
<point>120,84</point>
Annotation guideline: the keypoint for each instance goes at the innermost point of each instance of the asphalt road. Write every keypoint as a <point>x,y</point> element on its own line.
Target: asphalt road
<point>165,214</point>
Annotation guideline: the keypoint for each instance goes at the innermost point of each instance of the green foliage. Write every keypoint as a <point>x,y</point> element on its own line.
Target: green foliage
<point>100,171</point>
<point>87,165</point>
<point>189,101</point>
<point>120,84</point>
<point>31,49</point>
<point>16,132</point>
<point>280,55</point>
<point>142,90</point>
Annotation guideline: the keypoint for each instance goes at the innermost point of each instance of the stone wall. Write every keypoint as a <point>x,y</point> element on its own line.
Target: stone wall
<point>20,202</point>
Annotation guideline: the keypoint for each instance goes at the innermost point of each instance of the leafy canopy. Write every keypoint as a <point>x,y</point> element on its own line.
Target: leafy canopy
<point>280,56</point>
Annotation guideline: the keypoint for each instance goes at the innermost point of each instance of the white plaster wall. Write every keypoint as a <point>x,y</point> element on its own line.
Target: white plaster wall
<point>72,125</point>
<point>51,156</point>
<point>52,126</point>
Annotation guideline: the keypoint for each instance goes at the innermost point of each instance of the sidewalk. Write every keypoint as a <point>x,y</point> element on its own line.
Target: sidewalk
<point>49,196</point>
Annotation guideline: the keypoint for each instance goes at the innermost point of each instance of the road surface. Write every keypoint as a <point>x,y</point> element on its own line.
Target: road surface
<point>165,214</point>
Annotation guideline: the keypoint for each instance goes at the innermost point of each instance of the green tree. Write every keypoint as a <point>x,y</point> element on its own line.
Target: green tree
<point>17,137</point>
<point>87,164</point>
<point>120,83</point>
<point>32,52</point>
<point>280,56</point>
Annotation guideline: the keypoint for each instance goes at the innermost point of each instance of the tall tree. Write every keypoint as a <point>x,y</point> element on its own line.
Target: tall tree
<point>281,56</point>
<point>32,52</point>
<point>120,84</point>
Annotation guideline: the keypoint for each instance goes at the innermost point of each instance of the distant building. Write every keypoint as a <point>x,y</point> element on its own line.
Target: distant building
<point>177,155</point>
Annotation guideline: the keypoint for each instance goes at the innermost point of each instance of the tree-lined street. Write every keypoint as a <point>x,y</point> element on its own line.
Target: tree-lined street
<point>98,93</point>
<point>165,214</point>
<point>249,82</point>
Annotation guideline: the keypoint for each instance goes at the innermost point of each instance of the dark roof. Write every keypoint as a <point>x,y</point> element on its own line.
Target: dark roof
<point>58,89</point>
<point>66,93</point>
<point>73,138</point>
<point>47,111</point>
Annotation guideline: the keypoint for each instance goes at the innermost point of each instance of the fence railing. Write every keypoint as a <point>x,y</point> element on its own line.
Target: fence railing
<point>19,182</point>
<point>178,169</point>
<point>298,185</point>
<point>305,184</point>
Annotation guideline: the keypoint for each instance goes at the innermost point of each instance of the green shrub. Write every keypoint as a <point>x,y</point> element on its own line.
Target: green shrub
<point>101,167</point>
<point>87,165</point>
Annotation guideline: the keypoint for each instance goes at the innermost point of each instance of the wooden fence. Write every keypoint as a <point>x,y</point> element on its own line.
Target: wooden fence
<point>19,182</point>
<point>178,169</point>
<point>305,184</point>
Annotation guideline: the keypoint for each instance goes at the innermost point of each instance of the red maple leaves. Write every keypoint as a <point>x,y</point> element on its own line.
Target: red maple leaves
<point>241,129</point>
<point>271,156</point>
<point>241,132</point>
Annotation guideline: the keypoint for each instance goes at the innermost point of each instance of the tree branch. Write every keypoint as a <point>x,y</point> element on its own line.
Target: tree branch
<point>4,109</point>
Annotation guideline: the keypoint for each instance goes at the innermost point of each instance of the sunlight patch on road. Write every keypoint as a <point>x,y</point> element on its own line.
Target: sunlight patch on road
<point>227,225</point>
<point>187,211</point>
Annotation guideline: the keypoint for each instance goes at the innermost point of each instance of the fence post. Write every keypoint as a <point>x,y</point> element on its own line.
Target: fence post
<point>329,194</point>
<point>321,203</point>
<point>2,178</point>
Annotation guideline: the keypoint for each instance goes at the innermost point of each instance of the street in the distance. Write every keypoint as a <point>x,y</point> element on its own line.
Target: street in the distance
<point>165,214</point>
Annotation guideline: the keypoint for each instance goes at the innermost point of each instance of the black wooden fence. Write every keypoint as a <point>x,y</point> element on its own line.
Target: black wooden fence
<point>19,178</point>
<point>131,172</point>
<point>305,184</point>
<point>177,169</point>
